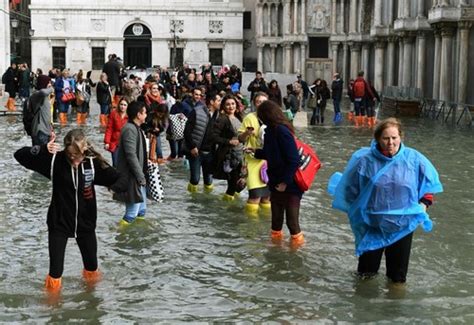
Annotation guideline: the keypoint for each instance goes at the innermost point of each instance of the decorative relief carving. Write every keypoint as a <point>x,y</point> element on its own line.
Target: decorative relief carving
<point>59,24</point>
<point>98,24</point>
<point>216,26</point>
<point>320,15</point>
<point>176,26</point>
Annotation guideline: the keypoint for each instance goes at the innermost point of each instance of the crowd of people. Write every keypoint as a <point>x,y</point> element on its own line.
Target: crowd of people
<point>208,122</point>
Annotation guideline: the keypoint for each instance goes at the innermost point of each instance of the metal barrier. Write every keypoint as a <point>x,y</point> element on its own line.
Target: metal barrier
<point>445,111</point>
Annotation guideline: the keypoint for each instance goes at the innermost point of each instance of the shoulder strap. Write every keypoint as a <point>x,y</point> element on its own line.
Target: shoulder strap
<point>52,167</point>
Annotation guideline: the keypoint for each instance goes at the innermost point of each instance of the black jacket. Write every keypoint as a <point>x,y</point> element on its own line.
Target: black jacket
<point>71,188</point>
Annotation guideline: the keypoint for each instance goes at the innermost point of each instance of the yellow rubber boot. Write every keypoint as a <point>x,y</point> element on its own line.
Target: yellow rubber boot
<point>252,209</point>
<point>192,188</point>
<point>52,285</point>
<point>208,188</point>
<point>297,240</point>
<point>124,223</point>
<point>265,206</point>
<point>91,277</point>
<point>228,198</point>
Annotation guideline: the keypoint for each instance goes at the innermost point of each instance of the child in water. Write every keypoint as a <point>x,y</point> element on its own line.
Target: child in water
<point>72,211</point>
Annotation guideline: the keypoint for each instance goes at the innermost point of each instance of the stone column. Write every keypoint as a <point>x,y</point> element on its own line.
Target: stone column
<point>268,14</point>
<point>333,17</point>
<point>296,59</point>
<point>303,60</point>
<point>406,9</point>
<point>286,17</point>
<point>273,57</point>
<point>400,62</point>
<point>295,17</point>
<point>464,28</point>
<point>447,32</point>
<point>353,17</point>
<point>355,59</point>
<point>436,63</point>
<point>287,67</point>
<point>345,56</point>
<point>389,5</point>
<point>379,65</point>
<point>260,57</point>
<point>378,13</point>
<point>407,61</point>
<point>420,9</point>
<point>421,62</point>
<point>360,14</point>
<point>259,20</point>
<point>365,59</point>
<point>342,18</point>
<point>390,62</point>
<point>303,17</point>
<point>334,47</point>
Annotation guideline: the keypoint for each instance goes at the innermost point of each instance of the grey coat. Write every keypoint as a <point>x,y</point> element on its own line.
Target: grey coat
<point>42,120</point>
<point>132,162</point>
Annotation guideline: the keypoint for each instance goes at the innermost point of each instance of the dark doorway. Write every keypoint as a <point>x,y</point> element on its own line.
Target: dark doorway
<point>137,46</point>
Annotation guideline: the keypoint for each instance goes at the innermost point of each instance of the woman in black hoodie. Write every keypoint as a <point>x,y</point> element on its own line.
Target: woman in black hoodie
<point>73,210</point>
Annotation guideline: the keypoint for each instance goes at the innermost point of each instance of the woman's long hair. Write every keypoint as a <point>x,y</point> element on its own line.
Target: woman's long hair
<point>77,139</point>
<point>271,115</point>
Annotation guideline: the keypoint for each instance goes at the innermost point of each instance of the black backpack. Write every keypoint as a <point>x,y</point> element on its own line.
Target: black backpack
<point>29,114</point>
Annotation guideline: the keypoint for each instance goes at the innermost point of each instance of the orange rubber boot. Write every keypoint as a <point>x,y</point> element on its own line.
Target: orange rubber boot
<point>79,118</point>
<point>365,121</point>
<point>350,116</point>
<point>357,120</point>
<point>91,277</point>
<point>297,240</point>
<point>63,118</point>
<point>11,104</point>
<point>52,285</point>
<point>276,236</point>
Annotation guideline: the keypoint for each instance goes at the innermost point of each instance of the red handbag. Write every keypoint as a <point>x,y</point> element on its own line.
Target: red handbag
<point>309,165</point>
<point>67,97</point>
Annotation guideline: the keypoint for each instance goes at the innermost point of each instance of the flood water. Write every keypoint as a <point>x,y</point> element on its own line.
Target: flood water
<point>199,259</point>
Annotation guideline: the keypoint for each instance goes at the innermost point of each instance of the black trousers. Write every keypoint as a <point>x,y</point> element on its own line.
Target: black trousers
<point>57,247</point>
<point>286,202</point>
<point>397,256</point>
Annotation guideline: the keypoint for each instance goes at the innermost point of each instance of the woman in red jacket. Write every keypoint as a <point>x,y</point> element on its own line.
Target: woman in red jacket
<point>117,119</point>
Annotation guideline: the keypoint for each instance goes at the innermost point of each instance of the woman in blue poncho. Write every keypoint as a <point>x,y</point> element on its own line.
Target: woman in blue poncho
<point>385,190</point>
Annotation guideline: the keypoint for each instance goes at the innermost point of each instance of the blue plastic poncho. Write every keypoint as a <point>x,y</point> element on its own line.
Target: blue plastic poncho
<point>381,195</point>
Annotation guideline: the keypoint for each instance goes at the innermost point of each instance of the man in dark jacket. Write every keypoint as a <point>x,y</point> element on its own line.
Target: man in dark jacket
<point>112,69</point>
<point>10,80</point>
<point>304,86</point>
<point>336,89</point>
<point>132,163</point>
<point>197,140</point>
<point>258,84</point>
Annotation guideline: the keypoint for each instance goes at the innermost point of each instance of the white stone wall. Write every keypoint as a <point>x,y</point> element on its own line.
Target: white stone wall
<point>4,36</point>
<point>83,24</point>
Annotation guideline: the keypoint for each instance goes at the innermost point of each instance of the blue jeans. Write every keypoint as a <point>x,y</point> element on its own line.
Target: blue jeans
<point>63,107</point>
<point>359,106</point>
<point>159,151</point>
<point>204,160</point>
<point>104,109</point>
<point>337,105</point>
<point>115,157</point>
<point>133,210</point>
<point>175,146</point>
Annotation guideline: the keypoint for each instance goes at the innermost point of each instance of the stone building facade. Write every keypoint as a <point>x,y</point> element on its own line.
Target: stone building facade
<point>425,44</point>
<point>4,36</point>
<point>79,34</point>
